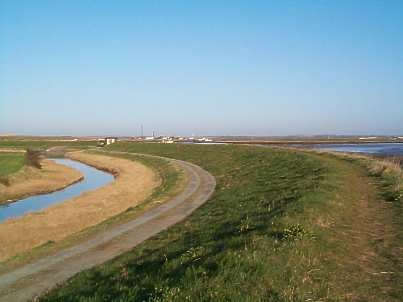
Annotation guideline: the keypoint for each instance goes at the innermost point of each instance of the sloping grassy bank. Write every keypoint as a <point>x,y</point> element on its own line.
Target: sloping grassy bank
<point>281,226</point>
<point>10,163</point>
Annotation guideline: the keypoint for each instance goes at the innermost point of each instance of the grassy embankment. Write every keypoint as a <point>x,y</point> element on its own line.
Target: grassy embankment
<point>10,163</point>
<point>281,226</point>
<point>43,144</point>
<point>13,162</point>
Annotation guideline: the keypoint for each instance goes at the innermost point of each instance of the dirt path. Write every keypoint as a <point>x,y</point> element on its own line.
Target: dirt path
<point>33,279</point>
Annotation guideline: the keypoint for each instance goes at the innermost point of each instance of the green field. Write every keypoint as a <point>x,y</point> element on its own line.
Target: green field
<point>24,144</point>
<point>281,226</point>
<point>11,163</point>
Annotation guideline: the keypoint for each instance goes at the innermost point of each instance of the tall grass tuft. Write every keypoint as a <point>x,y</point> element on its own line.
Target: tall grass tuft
<point>391,173</point>
<point>33,158</point>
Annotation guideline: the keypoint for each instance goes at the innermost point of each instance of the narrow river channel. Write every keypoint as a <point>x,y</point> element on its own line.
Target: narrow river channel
<point>93,179</point>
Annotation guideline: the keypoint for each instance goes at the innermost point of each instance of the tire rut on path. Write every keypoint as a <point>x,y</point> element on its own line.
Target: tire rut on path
<point>33,279</point>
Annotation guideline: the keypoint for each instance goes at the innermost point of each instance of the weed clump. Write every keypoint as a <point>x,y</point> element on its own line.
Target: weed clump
<point>390,173</point>
<point>296,232</point>
<point>5,181</point>
<point>33,158</point>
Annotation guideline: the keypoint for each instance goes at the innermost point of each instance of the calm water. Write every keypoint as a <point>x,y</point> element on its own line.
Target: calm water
<point>93,179</point>
<point>374,148</point>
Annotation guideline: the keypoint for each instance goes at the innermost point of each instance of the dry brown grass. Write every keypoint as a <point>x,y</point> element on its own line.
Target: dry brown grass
<point>31,181</point>
<point>134,183</point>
<point>8,150</point>
<point>387,168</point>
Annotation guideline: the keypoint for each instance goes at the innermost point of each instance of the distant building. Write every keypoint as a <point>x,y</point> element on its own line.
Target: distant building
<point>111,140</point>
<point>205,140</point>
<point>167,140</point>
<point>106,141</point>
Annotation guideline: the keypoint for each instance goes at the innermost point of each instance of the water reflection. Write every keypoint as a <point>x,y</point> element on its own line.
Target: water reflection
<point>374,148</point>
<point>93,179</point>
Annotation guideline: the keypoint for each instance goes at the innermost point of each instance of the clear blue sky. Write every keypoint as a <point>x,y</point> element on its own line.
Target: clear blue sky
<point>204,67</point>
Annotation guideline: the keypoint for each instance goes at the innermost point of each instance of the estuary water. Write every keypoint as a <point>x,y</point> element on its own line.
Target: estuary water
<point>388,149</point>
<point>93,179</point>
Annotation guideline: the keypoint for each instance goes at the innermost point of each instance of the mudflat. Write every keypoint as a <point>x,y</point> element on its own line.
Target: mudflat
<point>31,181</point>
<point>133,184</point>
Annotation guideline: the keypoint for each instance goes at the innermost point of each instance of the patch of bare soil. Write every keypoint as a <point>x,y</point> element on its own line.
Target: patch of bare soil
<point>31,181</point>
<point>134,183</point>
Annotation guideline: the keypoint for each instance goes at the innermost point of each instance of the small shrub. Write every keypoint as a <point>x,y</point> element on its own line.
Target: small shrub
<point>245,225</point>
<point>33,158</point>
<point>390,173</point>
<point>192,255</point>
<point>49,242</point>
<point>295,232</point>
<point>4,180</point>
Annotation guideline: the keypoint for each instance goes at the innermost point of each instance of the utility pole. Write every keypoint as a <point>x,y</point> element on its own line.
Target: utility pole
<point>142,132</point>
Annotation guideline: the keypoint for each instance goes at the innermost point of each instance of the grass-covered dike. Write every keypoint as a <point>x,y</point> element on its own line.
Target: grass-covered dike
<point>281,226</point>
<point>10,162</point>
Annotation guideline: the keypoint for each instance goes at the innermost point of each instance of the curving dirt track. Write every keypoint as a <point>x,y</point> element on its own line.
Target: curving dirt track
<point>31,280</point>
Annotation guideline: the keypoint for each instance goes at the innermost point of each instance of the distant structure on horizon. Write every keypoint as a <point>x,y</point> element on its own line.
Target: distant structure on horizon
<point>106,141</point>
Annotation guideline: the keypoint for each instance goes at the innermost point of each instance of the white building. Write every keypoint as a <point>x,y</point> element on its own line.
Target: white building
<point>106,141</point>
<point>110,140</point>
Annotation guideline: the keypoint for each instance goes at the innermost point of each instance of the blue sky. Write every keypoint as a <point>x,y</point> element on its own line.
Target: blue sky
<point>201,67</point>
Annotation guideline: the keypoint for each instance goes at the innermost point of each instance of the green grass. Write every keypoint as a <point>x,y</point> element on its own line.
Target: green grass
<point>281,226</point>
<point>11,163</point>
<point>42,144</point>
